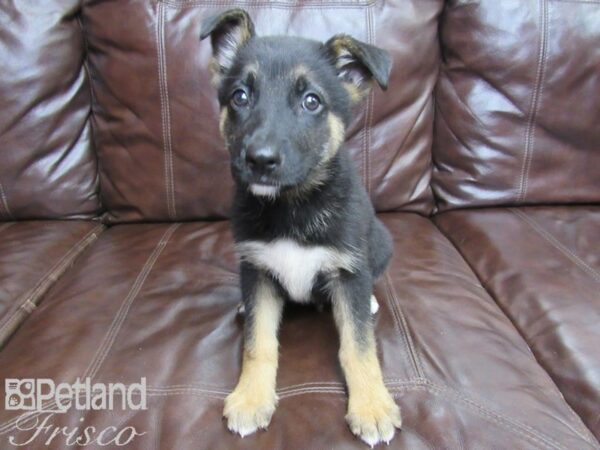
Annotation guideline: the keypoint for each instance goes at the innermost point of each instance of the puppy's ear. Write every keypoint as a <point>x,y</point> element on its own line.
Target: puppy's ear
<point>228,31</point>
<point>358,64</point>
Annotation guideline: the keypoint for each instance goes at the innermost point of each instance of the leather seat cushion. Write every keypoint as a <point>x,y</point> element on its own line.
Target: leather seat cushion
<point>159,301</point>
<point>541,264</point>
<point>32,256</point>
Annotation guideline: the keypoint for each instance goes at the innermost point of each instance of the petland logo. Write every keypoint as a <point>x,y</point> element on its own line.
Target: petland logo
<point>41,399</point>
<point>31,394</point>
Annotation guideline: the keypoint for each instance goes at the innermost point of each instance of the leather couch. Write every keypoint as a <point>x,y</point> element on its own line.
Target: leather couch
<point>482,159</point>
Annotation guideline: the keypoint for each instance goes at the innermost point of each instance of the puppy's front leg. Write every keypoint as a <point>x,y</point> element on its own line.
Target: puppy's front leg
<point>252,403</point>
<point>372,413</point>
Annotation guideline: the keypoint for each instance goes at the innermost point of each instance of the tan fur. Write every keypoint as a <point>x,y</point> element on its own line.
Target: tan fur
<point>245,30</point>
<point>252,403</point>
<point>336,134</point>
<point>336,138</point>
<point>215,72</point>
<point>354,93</point>
<point>357,94</point>
<point>223,121</point>
<point>372,413</point>
<point>252,68</point>
<point>341,44</point>
<point>343,47</point>
<point>215,69</point>
<point>300,71</point>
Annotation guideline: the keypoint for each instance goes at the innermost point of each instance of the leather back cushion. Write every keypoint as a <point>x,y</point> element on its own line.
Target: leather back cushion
<point>518,103</point>
<point>47,165</point>
<point>155,112</point>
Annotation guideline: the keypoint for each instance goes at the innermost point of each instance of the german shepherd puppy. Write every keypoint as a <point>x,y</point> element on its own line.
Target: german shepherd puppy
<point>302,221</point>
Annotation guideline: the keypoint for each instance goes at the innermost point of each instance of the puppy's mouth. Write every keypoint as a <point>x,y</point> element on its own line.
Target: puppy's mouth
<point>264,190</point>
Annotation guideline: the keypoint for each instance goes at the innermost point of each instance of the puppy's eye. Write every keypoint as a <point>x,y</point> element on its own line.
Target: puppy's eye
<point>311,102</point>
<point>240,98</point>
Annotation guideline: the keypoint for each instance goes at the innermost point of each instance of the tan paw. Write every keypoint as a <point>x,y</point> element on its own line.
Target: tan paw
<point>247,410</point>
<point>374,419</point>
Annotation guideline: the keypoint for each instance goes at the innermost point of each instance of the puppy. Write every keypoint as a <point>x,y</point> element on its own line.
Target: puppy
<point>303,223</point>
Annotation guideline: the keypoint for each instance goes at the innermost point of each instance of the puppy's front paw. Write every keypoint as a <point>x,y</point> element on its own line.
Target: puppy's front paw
<point>374,418</point>
<point>248,409</point>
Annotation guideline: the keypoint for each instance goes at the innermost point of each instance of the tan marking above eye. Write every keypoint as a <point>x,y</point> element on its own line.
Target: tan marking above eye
<point>337,132</point>
<point>301,73</point>
<point>251,68</point>
<point>300,70</point>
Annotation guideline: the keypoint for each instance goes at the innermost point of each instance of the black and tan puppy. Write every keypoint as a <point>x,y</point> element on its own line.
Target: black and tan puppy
<point>302,220</point>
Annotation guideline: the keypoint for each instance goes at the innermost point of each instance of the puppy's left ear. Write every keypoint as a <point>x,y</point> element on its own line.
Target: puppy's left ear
<point>228,31</point>
<point>358,64</point>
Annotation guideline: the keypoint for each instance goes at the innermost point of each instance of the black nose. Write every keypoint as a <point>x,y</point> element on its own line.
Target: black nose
<point>263,159</point>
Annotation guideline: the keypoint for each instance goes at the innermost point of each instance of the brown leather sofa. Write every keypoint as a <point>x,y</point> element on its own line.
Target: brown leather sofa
<point>482,158</point>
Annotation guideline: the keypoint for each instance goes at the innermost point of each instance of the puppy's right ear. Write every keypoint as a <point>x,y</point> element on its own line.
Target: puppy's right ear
<point>228,31</point>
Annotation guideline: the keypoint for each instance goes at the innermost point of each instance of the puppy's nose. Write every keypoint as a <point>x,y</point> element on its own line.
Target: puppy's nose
<point>263,159</point>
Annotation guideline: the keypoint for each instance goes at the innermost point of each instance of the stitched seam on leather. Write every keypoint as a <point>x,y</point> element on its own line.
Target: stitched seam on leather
<point>168,116</point>
<point>119,318</point>
<point>151,390</point>
<point>5,203</point>
<point>165,111</point>
<point>157,426</point>
<point>285,389</point>
<point>368,112</point>
<point>274,4</point>
<point>485,413</point>
<point>523,430</point>
<point>289,3</point>
<point>327,384</point>
<point>557,244</point>
<point>496,417</point>
<point>535,101</point>
<point>339,388</point>
<point>403,328</point>
<point>480,410</point>
<point>51,275</point>
<point>90,119</point>
<point>222,397</point>
<point>28,306</point>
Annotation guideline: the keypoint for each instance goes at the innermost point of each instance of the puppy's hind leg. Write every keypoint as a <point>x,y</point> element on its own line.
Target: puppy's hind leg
<point>252,403</point>
<point>372,413</point>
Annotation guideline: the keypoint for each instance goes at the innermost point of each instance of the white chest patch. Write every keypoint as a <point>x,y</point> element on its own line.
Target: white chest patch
<point>295,266</point>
